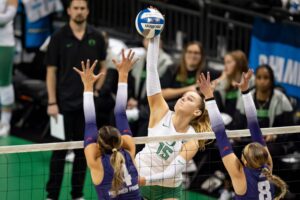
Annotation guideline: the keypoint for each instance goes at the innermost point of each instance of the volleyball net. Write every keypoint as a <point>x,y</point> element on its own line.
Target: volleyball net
<point>24,169</point>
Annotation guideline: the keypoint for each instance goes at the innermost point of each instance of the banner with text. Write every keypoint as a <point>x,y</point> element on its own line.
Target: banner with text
<point>278,45</point>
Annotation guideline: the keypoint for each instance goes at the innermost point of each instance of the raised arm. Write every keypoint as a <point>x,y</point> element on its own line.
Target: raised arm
<point>91,132</point>
<point>251,113</point>
<point>158,105</point>
<point>9,13</point>
<point>121,100</point>
<point>230,161</point>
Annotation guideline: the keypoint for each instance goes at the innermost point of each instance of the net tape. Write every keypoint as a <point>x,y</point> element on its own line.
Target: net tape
<point>144,140</point>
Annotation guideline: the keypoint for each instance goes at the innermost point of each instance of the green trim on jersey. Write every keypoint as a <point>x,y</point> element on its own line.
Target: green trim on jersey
<point>6,65</point>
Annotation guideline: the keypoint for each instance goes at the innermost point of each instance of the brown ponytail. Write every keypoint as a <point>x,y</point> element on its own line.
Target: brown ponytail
<point>257,156</point>
<point>202,124</point>
<point>277,181</point>
<point>117,160</point>
<point>110,142</point>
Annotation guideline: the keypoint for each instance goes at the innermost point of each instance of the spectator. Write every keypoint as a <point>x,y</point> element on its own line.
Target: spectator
<point>273,107</point>
<point>73,43</point>
<point>226,94</point>
<point>8,11</point>
<point>182,78</point>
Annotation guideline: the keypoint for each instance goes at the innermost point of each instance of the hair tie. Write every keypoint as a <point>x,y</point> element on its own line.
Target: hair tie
<point>114,150</point>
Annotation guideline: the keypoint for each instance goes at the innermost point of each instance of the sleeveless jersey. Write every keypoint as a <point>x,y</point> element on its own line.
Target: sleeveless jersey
<point>6,31</point>
<point>155,157</point>
<point>258,187</point>
<point>130,189</point>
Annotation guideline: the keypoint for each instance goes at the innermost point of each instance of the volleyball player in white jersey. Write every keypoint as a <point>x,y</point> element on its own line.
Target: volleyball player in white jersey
<point>190,116</point>
<point>8,9</point>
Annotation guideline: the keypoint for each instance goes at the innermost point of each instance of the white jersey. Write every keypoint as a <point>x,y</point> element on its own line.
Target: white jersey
<point>6,31</point>
<point>156,157</point>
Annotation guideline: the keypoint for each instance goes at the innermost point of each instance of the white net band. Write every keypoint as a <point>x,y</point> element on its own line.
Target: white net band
<point>144,140</point>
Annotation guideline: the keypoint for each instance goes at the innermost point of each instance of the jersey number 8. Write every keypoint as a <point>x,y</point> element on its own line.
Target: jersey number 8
<point>264,190</point>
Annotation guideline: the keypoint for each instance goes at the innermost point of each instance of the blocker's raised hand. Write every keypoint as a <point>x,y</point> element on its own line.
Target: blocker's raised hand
<point>126,63</point>
<point>205,86</point>
<point>87,75</point>
<point>244,84</point>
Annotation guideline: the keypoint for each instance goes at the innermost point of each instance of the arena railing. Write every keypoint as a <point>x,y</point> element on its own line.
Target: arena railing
<point>117,17</point>
<point>220,27</point>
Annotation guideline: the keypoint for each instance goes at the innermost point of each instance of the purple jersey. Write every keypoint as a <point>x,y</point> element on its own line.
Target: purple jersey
<point>130,189</point>
<point>258,187</point>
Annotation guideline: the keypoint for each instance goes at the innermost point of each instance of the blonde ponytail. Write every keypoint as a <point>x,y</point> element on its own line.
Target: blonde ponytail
<point>202,124</point>
<point>277,181</point>
<point>257,156</point>
<point>117,160</point>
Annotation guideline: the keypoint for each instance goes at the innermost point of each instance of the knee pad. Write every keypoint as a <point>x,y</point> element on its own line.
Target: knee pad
<point>7,96</point>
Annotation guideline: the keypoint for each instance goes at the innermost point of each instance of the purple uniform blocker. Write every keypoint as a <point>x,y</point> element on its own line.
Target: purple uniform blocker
<point>258,186</point>
<point>130,189</point>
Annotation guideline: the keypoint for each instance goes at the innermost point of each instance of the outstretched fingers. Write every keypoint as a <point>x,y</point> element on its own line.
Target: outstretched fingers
<point>88,65</point>
<point>99,75</point>
<point>123,54</point>
<point>114,61</point>
<point>199,80</point>
<point>203,79</point>
<point>208,77</point>
<point>83,66</point>
<point>78,71</point>
<point>129,54</point>
<point>249,74</point>
<point>132,56</point>
<point>94,65</point>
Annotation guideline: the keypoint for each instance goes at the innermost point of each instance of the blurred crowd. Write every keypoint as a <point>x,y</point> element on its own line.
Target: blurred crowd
<point>178,74</point>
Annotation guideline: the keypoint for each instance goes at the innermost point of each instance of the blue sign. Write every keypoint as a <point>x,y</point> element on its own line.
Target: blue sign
<point>278,45</point>
<point>37,32</point>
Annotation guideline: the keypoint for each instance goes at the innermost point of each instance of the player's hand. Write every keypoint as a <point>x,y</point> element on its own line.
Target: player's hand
<point>87,75</point>
<point>205,86</point>
<point>244,84</point>
<point>126,63</point>
<point>142,181</point>
<point>53,110</point>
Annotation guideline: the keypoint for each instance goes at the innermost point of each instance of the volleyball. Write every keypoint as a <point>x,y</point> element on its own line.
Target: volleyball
<point>149,23</point>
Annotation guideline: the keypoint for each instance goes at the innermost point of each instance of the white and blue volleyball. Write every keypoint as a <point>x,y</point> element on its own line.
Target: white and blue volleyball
<point>149,23</point>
